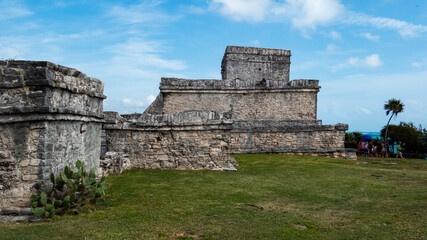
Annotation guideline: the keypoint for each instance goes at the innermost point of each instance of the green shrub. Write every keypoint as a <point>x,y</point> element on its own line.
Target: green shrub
<point>352,139</point>
<point>70,192</point>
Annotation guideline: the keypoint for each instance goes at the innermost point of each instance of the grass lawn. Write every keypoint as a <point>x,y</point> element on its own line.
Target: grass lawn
<point>271,196</point>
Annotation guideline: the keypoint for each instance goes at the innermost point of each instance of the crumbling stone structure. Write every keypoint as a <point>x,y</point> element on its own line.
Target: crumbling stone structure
<point>50,117</point>
<point>269,112</point>
<point>184,140</point>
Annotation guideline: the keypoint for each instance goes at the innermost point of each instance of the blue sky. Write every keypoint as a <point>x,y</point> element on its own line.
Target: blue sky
<point>363,52</point>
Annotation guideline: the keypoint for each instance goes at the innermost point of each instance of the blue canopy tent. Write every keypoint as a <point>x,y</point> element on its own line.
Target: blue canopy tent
<point>367,137</point>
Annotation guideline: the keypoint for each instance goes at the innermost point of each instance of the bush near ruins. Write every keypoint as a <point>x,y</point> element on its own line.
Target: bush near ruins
<point>70,192</point>
<point>352,139</point>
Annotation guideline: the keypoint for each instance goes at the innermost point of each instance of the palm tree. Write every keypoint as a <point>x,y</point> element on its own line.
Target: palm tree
<point>395,107</point>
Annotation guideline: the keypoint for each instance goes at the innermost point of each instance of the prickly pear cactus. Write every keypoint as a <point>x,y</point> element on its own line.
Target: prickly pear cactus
<point>70,191</point>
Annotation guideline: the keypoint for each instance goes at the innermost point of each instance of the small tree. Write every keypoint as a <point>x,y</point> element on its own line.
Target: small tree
<point>394,107</point>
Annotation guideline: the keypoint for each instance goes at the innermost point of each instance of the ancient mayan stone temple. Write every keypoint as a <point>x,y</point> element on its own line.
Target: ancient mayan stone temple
<point>268,112</point>
<point>51,116</point>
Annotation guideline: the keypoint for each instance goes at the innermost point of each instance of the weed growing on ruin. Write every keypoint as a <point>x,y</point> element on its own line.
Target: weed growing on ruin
<point>70,192</point>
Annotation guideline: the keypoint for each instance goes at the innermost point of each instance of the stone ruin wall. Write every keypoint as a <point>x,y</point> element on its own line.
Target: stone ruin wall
<point>50,117</point>
<point>304,137</point>
<point>247,102</point>
<point>187,140</point>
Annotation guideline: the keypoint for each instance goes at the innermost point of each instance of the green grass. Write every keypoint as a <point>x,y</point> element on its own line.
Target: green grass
<point>271,196</point>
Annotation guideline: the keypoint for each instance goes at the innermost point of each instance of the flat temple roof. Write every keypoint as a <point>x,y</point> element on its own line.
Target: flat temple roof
<point>258,51</point>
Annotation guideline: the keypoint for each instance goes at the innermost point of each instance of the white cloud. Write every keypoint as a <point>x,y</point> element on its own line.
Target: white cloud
<point>405,29</point>
<point>371,37</point>
<point>417,64</point>
<point>55,38</point>
<point>306,15</point>
<point>256,42</point>
<point>7,52</point>
<point>243,10</point>
<point>335,35</point>
<point>304,67</point>
<point>145,12</point>
<point>415,103</point>
<point>195,10</point>
<point>9,10</point>
<point>310,13</point>
<point>128,102</point>
<point>371,61</point>
<point>133,103</point>
<point>331,47</point>
<point>303,14</point>
<point>135,45</point>
<point>192,9</point>
<point>142,54</point>
<point>29,48</point>
<point>150,99</point>
<point>420,64</point>
<point>365,110</point>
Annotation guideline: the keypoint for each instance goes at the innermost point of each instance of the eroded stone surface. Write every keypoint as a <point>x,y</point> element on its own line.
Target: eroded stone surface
<point>50,117</point>
<point>187,140</point>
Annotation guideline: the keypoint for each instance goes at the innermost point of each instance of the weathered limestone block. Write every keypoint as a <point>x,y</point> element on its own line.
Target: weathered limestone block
<point>32,87</point>
<point>350,153</point>
<point>285,104</point>
<point>114,162</point>
<point>282,138</point>
<point>50,117</point>
<point>261,65</point>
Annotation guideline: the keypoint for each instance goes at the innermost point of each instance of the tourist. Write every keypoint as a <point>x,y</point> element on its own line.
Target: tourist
<point>366,148</point>
<point>361,148</point>
<point>374,150</point>
<point>370,147</point>
<point>399,150</point>
<point>380,150</point>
